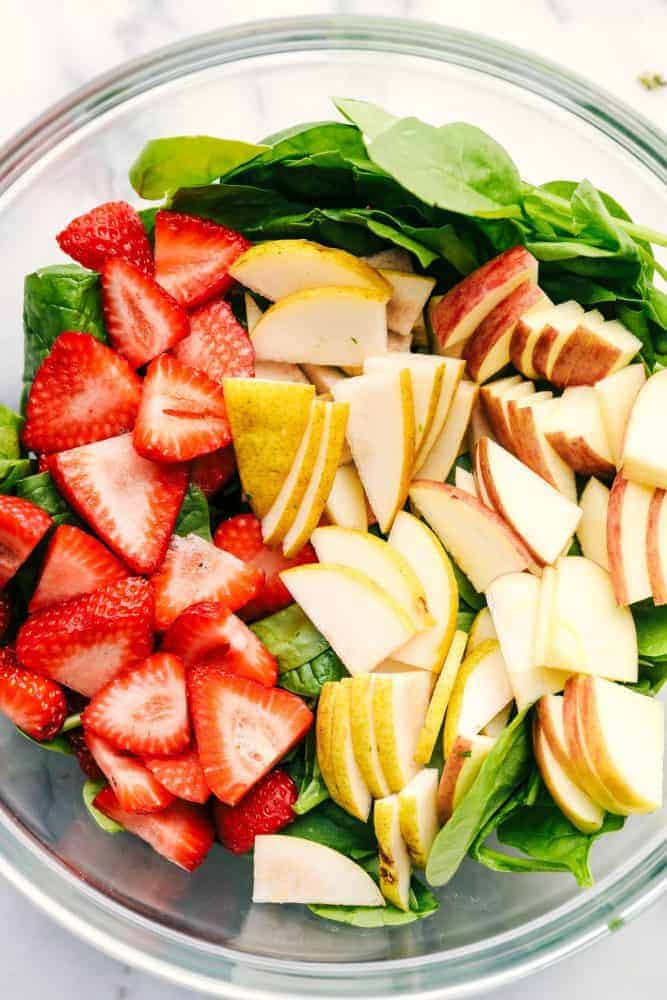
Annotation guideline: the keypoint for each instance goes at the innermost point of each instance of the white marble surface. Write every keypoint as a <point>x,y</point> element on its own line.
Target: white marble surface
<point>47,49</point>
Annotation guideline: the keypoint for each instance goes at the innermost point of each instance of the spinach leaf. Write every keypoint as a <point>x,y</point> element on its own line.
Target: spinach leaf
<point>422,904</point>
<point>291,637</point>
<point>308,679</point>
<point>464,620</point>
<point>652,676</point>
<point>651,625</point>
<point>164,165</point>
<point>330,825</point>
<point>41,490</point>
<point>89,792</point>
<point>12,466</point>
<point>369,118</point>
<point>467,593</point>
<point>305,772</point>
<point>59,743</point>
<point>193,517</point>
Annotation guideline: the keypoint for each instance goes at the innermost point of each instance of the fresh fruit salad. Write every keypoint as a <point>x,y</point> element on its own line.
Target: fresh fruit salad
<point>334,524</point>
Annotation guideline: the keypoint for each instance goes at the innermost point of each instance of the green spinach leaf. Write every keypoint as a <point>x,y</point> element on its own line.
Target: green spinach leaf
<point>41,490</point>
<point>59,743</point>
<point>422,904</point>
<point>291,637</point>
<point>651,624</point>
<point>164,165</point>
<point>369,118</point>
<point>90,791</point>
<point>467,593</point>
<point>308,679</point>
<point>193,517</point>
<point>305,771</point>
<point>330,825</point>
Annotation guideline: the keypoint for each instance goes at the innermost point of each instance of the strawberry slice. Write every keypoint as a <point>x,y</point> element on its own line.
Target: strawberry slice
<point>243,728</point>
<point>131,503</point>
<point>35,704</point>
<point>84,642</point>
<point>210,633</point>
<point>113,229</point>
<point>182,775</point>
<point>242,536</point>
<point>211,472</point>
<point>193,256</point>
<point>77,741</point>
<point>182,833</point>
<point>141,319</point>
<point>267,808</point>
<point>182,413</point>
<point>217,344</point>
<point>22,526</point>
<point>133,784</point>
<point>75,563</point>
<point>195,571</point>
<point>145,709</point>
<point>5,614</point>
<point>83,391</point>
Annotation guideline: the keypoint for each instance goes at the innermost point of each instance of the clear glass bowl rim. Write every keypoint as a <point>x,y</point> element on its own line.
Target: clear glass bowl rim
<point>198,964</point>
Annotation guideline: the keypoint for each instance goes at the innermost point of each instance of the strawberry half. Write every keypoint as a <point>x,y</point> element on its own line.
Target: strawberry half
<point>182,413</point>
<point>145,709</point>
<point>113,229</point>
<point>182,833</point>
<point>242,536</point>
<point>131,503</point>
<point>133,784</point>
<point>182,775</point>
<point>243,728</point>
<point>86,641</point>
<point>75,563</point>
<point>211,472</point>
<point>5,614</point>
<point>217,344</point>
<point>210,633</point>
<point>141,319</point>
<point>83,391</point>
<point>22,526</point>
<point>35,704</point>
<point>193,256</point>
<point>195,571</point>
<point>77,741</point>
<point>267,808</point>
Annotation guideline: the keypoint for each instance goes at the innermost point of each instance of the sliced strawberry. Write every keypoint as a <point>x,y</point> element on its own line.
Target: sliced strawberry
<point>113,229</point>
<point>83,391</point>
<point>133,784</point>
<point>77,741</point>
<point>75,563</point>
<point>211,472</point>
<point>142,320</point>
<point>243,728</point>
<point>86,641</point>
<point>217,344</point>
<point>195,571</point>
<point>242,536</point>
<point>267,808</point>
<point>43,463</point>
<point>144,709</point>
<point>193,256</point>
<point>22,526</point>
<point>182,413</point>
<point>35,704</point>
<point>182,775</point>
<point>130,502</point>
<point>5,614</point>
<point>182,833</point>
<point>210,633</point>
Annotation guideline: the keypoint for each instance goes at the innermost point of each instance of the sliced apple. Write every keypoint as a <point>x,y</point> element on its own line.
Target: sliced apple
<point>409,295</point>
<point>437,706</point>
<point>418,814</point>
<point>560,324</point>
<point>400,702</point>
<point>462,766</point>
<point>627,540</point>
<point>644,458</point>
<point>396,344</point>
<point>346,503</point>
<point>499,722</point>
<point>524,337</point>
<point>656,546</point>
<point>446,447</point>
<point>616,396</point>
<point>492,397</point>
<point>395,867</point>
<point>353,793</point>
<point>481,690</point>
<point>488,349</point>
<point>295,870</point>
<point>528,418</point>
<point>426,375</point>
<point>279,371</point>
<point>363,735</point>
<point>323,733</point>
<point>479,426</point>
<point>592,530</point>
<point>575,429</point>
<point>465,481</point>
<point>420,335</point>
<point>597,348</point>
<point>511,411</point>
<point>481,629</point>
<point>542,627</point>
<point>323,377</point>
<point>579,808</point>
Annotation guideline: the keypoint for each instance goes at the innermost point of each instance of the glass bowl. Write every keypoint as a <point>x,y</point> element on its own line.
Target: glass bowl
<point>202,931</point>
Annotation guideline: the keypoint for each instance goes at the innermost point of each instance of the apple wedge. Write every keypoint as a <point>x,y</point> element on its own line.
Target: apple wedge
<point>346,503</point>
<point>560,324</point>
<point>481,690</point>
<point>542,629</point>
<point>656,546</point>
<point>426,375</point>
<point>616,395</point>
<point>492,397</point>
<point>488,349</point>
<point>597,348</point>
<point>525,335</point>
<point>465,481</point>
<point>418,814</point>
<point>279,371</point>
<point>353,794</point>
<point>420,337</point>
<point>294,870</point>
<point>396,344</point>
<point>395,866</point>
<point>511,411</point>
<point>409,295</point>
<point>363,735</point>
<point>479,426</point>
<point>481,629</point>
<point>323,733</point>
<point>576,430</point>
<point>323,377</point>
<point>528,418</point>
<point>400,702</point>
<point>627,540</point>
<point>437,706</point>
<point>579,808</point>
<point>462,766</point>
<point>444,450</point>
<point>592,530</point>
<point>644,458</point>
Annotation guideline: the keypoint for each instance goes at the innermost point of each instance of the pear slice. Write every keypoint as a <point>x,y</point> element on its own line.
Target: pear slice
<point>323,732</point>
<point>481,690</point>
<point>295,870</point>
<point>400,702</point>
<point>545,613</point>
<point>380,561</point>
<point>395,867</point>
<point>592,530</point>
<point>253,313</point>
<point>421,550</point>
<point>279,268</point>
<point>616,397</point>
<point>499,722</point>
<point>323,474</point>
<point>451,380</point>
<point>579,808</point>
<point>426,375</point>
<point>361,622</point>
<point>394,258</point>
<point>363,735</point>
<point>418,814</point>
<point>444,450</point>
<point>381,435</point>
<point>268,421</point>
<point>462,766</point>
<point>627,539</point>
<point>323,377</point>
<point>323,326</point>
<point>353,793</point>
<point>437,706</point>
<point>481,629</point>
<point>346,503</point>
<point>409,295</point>
<point>279,371</point>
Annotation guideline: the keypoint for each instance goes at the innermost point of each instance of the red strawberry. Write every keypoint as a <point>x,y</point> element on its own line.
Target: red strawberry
<point>77,741</point>
<point>43,463</point>
<point>86,641</point>
<point>210,632</point>
<point>193,256</point>
<point>133,784</point>
<point>211,472</point>
<point>182,833</point>
<point>131,503</point>
<point>5,614</point>
<point>75,563</point>
<point>181,775</point>
<point>83,391</point>
<point>267,808</point>
<point>182,413</point>
<point>195,571</point>
<point>113,229</point>
<point>35,704</point>
<point>144,709</point>
<point>142,320</point>
<point>217,344</point>
<point>243,728</point>
<point>22,525</point>
<point>242,536</point>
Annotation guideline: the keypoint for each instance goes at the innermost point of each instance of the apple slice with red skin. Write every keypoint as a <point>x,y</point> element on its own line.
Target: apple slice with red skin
<point>512,413</point>
<point>560,325</point>
<point>528,419</point>
<point>462,766</point>
<point>488,349</point>
<point>524,337</point>
<point>616,395</point>
<point>656,546</point>
<point>644,457</point>
<point>496,396</point>
<point>596,349</point>
<point>572,801</point>
<point>479,426</point>
<point>578,434</point>
<point>592,530</point>
<point>627,540</point>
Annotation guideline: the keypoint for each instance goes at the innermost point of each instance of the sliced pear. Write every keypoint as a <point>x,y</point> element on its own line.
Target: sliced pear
<point>295,870</point>
<point>426,375</point>
<point>440,700</point>
<point>395,867</point>
<point>268,421</point>
<point>323,732</point>
<point>481,690</point>
<point>323,377</point>
<point>346,503</point>
<point>451,380</point>
<point>394,258</point>
<point>626,537</point>
<point>381,435</point>
<point>409,295</point>
<point>361,622</point>
<point>462,766</point>
<point>443,452</point>
<point>545,614</point>
<point>363,735</point>
<point>481,629</point>
<point>253,313</point>
<point>353,793</point>
<point>616,396</point>
<point>279,371</point>
<point>592,530</point>
<point>400,702</point>
<point>581,811</point>
<point>499,722</point>
<point>418,814</point>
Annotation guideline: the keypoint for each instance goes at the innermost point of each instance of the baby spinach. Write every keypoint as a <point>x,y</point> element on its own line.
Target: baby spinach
<point>90,791</point>
<point>651,625</point>
<point>308,679</point>
<point>59,743</point>
<point>193,517</point>
<point>652,676</point>
<point>330,825</point>
<point>369,118</point>
<point>305,771</point>
<point>291,637</point>
<point>467,593</point>
<point>166,164</point>
<point>12,466</point>
<point>41,490</point>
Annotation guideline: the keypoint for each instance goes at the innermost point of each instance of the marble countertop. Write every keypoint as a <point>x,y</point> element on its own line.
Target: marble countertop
<point>48,49</point>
